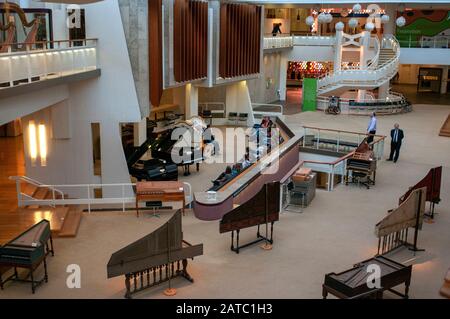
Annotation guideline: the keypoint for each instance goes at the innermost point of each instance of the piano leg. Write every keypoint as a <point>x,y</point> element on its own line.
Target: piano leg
<point>237,241</point>
<point>51,246</point>
<point>271,233</point>
<point>185,273</point>
<point>45,270</point>
<point>33,288</point>
<point>324,292</point>
<point>232,240</point>
<point>407,283</point>
<point>198,167</point>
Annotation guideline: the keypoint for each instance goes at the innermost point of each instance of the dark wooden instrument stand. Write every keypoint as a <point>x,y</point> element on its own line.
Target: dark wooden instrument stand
<point>259,239</point>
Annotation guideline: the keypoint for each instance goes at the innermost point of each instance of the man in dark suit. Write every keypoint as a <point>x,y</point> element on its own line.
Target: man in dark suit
<point>397,137</point>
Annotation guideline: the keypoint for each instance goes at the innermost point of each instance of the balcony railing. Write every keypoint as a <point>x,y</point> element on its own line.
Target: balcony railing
<point>30,62</point>
<point>277,42</point>
<point>440,42</point>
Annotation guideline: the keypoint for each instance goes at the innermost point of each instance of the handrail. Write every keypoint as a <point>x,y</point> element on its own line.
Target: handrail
<point>53,41</point>
<point>254,105</point>
<point>89,200</point>
<point>368,76</point>
<point>338,131</point>
<point>343,158</point>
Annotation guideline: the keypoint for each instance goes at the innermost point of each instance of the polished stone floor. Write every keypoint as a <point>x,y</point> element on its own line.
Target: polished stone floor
<point>334,233</point>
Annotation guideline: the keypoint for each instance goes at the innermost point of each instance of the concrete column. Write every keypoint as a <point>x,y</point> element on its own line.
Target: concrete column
<point>338,51</point>
<point>444,79</point>
<point>363,53</point>
<point>361,95</point>
<point>283,76</point>
<point>140,132</point>
<point>383,90</point>
<point>191,101</point>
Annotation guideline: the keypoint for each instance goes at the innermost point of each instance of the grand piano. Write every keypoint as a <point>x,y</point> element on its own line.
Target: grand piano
<point>363,166</point>
<point>28,251</point>
<point>157,258</point>
<point>432,182</point>
<point>155,169</point>
<point>353,283</point>
<point>177,145</point>
<point>262,209</point>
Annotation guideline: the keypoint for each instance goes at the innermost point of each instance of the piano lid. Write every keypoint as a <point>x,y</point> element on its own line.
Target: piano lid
<point>432,182</point>
<point>36,236</point>
<point>254,211</point>
<point>404,216</point>
<point>138,153</point>
<point>153,244</point>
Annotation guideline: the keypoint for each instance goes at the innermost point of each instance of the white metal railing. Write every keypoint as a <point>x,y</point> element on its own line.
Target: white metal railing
<point>278,41</point>
<point>314,40</point>
<point>342,139</point>
<point>85,194</point>
<point>46,60</point>
<point>394,103</point>
<point>437,42</point>
<point>288,41</point>
<point>217,108</point>
<point>364,78</point>
<point>263,109</point>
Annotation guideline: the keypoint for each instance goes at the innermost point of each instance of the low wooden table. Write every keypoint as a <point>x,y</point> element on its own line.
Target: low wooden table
<point>160,191</point>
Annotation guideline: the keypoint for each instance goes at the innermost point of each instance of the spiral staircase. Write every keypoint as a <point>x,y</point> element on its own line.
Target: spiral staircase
<point>380,70</point>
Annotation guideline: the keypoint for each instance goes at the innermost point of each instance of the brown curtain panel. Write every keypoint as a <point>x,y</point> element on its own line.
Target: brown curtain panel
<point>190,32</point>
<point>155,51</point>
<point>240,40</point>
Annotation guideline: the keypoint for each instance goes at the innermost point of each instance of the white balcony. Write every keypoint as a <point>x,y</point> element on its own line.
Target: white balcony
<point>277,42</point>
<point>26,63</point>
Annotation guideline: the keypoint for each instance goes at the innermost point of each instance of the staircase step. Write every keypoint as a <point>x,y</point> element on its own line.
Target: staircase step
<point>71,223</point>
<point>29,189</point>
<point>40,194</point>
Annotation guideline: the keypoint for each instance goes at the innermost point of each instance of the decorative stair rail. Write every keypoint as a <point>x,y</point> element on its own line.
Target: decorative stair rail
<point>377,73</point>
<point>125,194</point>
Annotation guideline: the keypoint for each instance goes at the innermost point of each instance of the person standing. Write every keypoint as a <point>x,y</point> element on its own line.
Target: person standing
<point>372,129</point>
<point>276,29</point>
<point>397,137</point>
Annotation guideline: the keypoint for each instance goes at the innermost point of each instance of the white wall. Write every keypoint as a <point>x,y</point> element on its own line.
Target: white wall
<point>265,89</point>
<point>109,100</point>
<point>424,56</point>
<point>238,100</point>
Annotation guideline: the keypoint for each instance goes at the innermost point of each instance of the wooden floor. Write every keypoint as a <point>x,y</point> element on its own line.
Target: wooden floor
<point>12,163</point>
<point>64,221</point>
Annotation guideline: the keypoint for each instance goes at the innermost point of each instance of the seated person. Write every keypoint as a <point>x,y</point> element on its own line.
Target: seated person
<point>237,169</point>
<point>246,163</point>
<point>266,122</point>
<point>228,173</point>
<point>224,177</point>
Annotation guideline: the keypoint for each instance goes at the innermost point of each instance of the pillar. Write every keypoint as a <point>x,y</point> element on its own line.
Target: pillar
<point>363,54</point>
<point>283,76</point>
<point>140,132</point>
<point>338,51</point>
<point>383,91</point>
<point>444,79</point>
<point>191,101</point>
